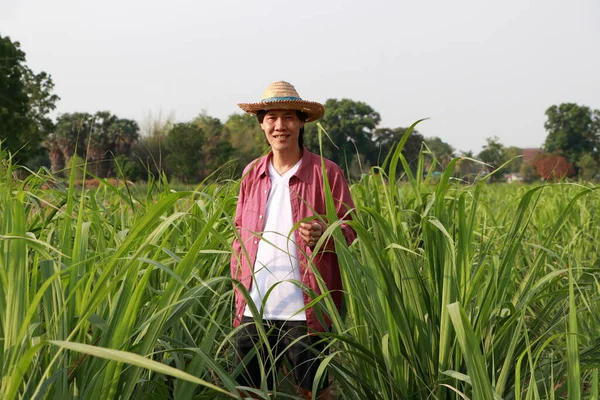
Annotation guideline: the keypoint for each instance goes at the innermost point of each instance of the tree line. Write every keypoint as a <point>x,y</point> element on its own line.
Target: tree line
<point>194,150</point>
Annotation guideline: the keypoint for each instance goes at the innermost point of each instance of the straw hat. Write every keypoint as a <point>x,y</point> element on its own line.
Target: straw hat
<point>283,96</point>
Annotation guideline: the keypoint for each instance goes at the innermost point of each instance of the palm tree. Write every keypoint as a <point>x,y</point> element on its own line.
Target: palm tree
<point>126,134</point>
<point>57,159</point>
<point>68,136</point>
<point>100,143</point>
<point>108,138</point>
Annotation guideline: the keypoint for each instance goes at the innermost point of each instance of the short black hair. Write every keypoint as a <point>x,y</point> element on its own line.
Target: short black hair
<point>302,116</point>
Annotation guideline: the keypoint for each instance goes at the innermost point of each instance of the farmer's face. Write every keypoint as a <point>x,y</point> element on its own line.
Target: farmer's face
<point>282,128</point>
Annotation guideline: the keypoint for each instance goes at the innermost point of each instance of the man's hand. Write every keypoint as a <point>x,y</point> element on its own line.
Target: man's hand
<point>310,233</point>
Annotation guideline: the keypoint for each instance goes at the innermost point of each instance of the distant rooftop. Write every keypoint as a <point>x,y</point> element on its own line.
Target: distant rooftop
<point>529,154</point>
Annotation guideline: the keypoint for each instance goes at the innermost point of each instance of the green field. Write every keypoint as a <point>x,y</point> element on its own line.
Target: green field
<point>453,291</point>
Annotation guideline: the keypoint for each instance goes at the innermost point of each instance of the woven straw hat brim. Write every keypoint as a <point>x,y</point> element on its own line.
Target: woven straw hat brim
<point>313,110</point>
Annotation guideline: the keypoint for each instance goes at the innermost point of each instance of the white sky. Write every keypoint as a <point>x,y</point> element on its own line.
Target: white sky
<point>477,69</point>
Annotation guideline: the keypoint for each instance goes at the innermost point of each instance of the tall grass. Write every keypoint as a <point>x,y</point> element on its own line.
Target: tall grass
<point>452,291</point>
<point>463,291</point>
<point>112,269</point>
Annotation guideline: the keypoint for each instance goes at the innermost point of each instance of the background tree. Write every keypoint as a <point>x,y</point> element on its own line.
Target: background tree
<point>150,151</point>
<point>14,103</point>
<point>68,135</point>
<point>552,167</point>
<point>26,99</point>
<point>97,138</point>
<point>99,143</point>
<point>42,101</point>
<point>185,145</point>
<point>218,149</point>
<point>529,172</point>
<point>467,170</point>
<point>246,137</point>
<point>572,131</point>
<point>129,168</point>
<point>350,125</point>
<point>494,154</point>
<point>516,155</point>
<point>588,166</point>
<point>109,136</point>
<point>385,139</point>
<point>126,133</point>
<point>442,151</point>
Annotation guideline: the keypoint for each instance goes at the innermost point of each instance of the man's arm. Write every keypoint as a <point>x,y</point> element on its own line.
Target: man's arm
<point>343,204</point>
<point>311,232</point>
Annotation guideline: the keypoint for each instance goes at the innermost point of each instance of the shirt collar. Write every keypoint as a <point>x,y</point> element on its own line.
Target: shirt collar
<point>303,172</point>
<point>263,165</point>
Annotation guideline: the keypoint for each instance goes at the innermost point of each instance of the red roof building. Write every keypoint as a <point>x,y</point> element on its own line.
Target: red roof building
<point>529,154</point>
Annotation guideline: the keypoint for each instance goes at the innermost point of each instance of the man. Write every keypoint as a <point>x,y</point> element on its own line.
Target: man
<point>280,219</point>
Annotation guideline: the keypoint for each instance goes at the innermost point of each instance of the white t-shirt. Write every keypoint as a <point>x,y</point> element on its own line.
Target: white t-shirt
<point>277,257</point>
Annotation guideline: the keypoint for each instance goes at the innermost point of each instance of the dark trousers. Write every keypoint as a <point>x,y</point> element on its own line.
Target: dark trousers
<point>284,339</point>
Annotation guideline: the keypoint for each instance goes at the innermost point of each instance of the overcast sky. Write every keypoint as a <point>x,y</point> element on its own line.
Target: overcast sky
<point>477,69</point>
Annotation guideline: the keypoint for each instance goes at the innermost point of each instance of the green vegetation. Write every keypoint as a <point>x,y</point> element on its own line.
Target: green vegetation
<point>452,291</point>
<point>26,99</point>
<point>573,131</point>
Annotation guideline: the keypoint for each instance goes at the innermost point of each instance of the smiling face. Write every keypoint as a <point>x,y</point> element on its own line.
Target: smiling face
<point>282,128</point>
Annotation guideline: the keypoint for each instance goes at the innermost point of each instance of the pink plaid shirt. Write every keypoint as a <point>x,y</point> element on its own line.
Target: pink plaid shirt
<point>306,194</point>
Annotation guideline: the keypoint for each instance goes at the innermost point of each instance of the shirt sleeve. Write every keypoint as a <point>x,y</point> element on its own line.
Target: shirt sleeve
<point>340,192</point>
<point>344,204</point>
<point>236,246</point>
